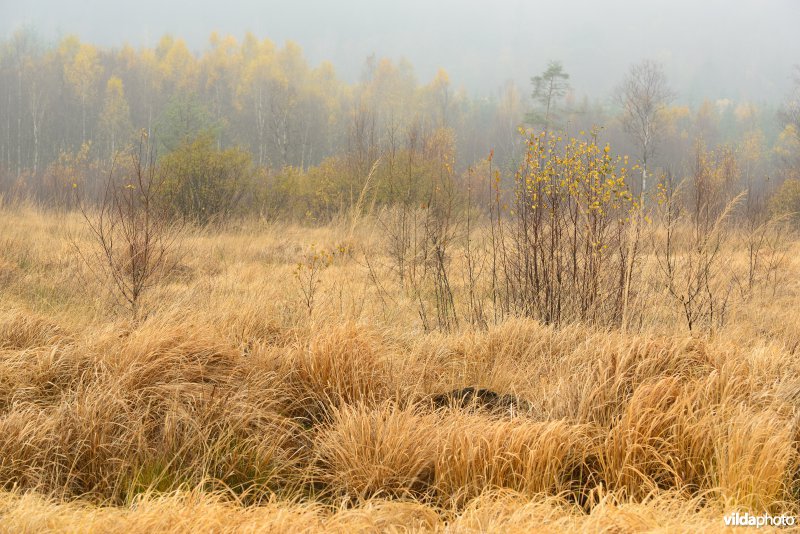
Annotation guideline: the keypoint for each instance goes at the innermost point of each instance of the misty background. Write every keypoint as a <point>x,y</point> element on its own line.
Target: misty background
<point>710,49</point>
<point>298,104</point>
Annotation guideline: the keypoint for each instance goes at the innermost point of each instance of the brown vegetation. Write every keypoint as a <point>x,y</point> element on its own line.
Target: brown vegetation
<point>233,404</point>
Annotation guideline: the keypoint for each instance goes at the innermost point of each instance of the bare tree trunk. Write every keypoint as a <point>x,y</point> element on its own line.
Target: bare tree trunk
<point>83,117</point>
<point>644,180</point>
<point>35,140</point>
<point>260,126</point>
<point>19,121</point>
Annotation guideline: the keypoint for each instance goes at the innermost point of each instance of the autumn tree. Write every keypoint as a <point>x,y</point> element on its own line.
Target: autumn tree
<point>277,95</point>
<point>219,70</point>
<point>642,95</point>
<point>441,94</point>
<point>388,91</point>
<point>707,123</point>
<point>568,242</point>
<point>115,119</point>
<point>675,144</point>
<point>329,93</point>
<point>144,84</point>
<point>508,118</point>
<point>253,90</point>
<point>39,86</point>
<point>284,98</point>
<point>785,201</point>
<point>21,105</point>
<point>82,73</point>
<point>790,111</point>
<point>176,64</point>
<point>788,146</point>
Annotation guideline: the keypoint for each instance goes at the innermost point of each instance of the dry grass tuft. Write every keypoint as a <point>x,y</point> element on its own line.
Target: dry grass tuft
<point>20,330</point>
<point>229,407</point>
<point>339,365</point>
<point>383,451</point>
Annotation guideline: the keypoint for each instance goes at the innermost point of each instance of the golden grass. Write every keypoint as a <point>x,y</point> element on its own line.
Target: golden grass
<point>228,407</point>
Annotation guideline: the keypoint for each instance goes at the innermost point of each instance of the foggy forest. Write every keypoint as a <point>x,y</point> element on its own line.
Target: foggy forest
<point>383,267</point>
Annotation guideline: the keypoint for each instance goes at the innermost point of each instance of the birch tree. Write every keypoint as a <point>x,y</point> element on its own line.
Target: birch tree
<point>643,95</point>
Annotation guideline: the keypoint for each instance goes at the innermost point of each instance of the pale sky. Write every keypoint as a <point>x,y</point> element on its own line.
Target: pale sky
<point>739,49</point>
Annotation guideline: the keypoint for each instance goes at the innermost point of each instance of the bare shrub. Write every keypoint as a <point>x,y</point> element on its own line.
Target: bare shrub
<point>696,248</point>
<point>136,242</point>
<point>690,260</point>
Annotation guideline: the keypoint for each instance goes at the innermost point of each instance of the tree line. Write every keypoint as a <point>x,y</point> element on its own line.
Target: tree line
<point>275,131</point>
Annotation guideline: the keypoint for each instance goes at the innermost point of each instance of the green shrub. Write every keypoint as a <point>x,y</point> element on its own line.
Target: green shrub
<point>786,200</point>
<point>203,183</point>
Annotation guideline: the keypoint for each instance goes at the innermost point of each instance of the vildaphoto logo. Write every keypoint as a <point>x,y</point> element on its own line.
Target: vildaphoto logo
<point>765,520</point>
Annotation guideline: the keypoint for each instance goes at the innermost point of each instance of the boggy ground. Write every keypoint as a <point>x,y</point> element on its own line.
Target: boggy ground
<point>228,406</point>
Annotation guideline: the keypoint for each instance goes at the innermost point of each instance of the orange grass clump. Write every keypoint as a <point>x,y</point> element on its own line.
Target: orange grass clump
<point>227,405</point>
